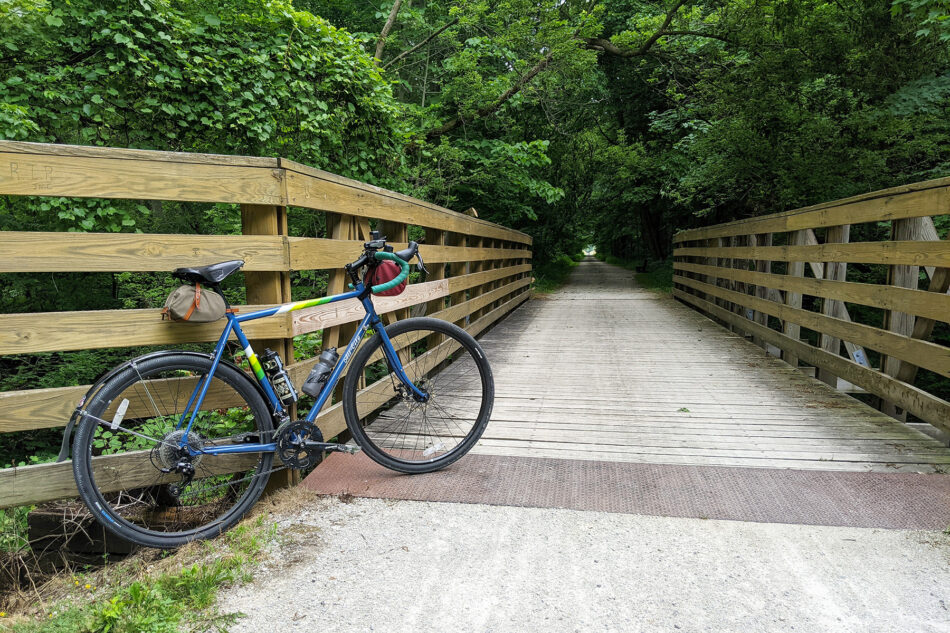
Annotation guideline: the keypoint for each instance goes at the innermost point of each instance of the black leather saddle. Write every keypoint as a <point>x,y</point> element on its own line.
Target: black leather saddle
<point>213,274</point>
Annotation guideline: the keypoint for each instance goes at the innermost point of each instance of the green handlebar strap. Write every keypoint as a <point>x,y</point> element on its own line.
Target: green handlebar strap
<point>399,279</point>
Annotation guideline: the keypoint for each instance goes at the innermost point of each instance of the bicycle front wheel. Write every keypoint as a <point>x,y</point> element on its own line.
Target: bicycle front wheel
<point>130,442</point>
<point>394,429</point>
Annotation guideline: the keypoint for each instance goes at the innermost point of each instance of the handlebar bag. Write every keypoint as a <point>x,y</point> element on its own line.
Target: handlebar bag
<point>383,272</point>
<point>194,304</point>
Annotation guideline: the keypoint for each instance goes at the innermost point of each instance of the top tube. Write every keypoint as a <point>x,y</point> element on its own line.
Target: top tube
<point>299,305</point>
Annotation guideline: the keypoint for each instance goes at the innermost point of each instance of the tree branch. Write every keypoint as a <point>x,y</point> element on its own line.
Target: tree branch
<point>660,31</point>
<point>712,36</point>
<point>412,50</point>
<point>381,42</point>
<point>601,44</point>
<point>496,105</point>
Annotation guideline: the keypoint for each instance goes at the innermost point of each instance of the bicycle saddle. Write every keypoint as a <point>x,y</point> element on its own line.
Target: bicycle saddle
<point>213,274</point>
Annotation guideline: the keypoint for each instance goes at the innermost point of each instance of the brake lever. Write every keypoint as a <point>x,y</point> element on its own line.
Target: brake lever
<point>421,265</point>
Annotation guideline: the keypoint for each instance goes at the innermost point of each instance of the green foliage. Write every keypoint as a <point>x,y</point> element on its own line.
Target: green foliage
<point>549,276</point>
<point>933,16</point>
<point>163,602</point>
<point>576,122</point>
<point>14,530</point>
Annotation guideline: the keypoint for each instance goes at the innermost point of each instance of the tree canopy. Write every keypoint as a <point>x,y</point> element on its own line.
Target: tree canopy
<point>612,122</point>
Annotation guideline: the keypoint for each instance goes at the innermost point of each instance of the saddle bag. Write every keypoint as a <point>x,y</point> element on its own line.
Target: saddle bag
<point>194,304</point>
<point>385,271</point>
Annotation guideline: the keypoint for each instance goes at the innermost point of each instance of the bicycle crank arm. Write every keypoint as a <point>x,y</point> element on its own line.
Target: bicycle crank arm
<point>331,448</point>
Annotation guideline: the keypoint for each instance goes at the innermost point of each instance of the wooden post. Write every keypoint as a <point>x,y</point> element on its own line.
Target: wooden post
<point>476,267</point>
<point>434,237</point>
<point>740,286</point>
<point>342,227</point>
<point>456,269</point>
<point>395,232</point>
<point>901,322</point>
<point>270,288</point>
<point>834,271</point>
<point>762,292</point>
<point>923,326</point>
<point>710,261</point>
<point>794,300</point>
<point>724,262</point>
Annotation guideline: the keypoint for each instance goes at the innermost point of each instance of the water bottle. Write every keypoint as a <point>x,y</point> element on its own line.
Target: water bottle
<point>313,385</point>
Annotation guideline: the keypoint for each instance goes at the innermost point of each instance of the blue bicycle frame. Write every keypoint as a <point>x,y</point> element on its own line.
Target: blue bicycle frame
<point>234,325</point>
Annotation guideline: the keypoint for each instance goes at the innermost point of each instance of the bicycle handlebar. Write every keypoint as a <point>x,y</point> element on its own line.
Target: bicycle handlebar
<point>383,287</point>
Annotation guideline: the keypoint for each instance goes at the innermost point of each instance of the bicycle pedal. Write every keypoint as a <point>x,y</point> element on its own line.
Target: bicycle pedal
<point>346,448</point>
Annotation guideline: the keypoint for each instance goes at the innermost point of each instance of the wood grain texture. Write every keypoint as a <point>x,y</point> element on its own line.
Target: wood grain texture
<point>86,151</point>
<point>911,253</point>
<point>908,201</point>
<point>655,381</point>
<point>308,253</point>
<point>924,405</point>
<point>315,189</point>
<point>351,310</point>
<point>26,251</point>
<point>834,271</point>
<point>63,331</point>
<point>56,175</point>
<point>919,302</point>
<point>793,299</point>
<point>933,356</point>
<point>47,482</point>
<point>904,276</point>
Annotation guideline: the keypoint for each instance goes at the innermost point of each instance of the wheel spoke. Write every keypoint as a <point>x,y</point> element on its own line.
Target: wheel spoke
<point>139,469</point>
<point>422,436</point>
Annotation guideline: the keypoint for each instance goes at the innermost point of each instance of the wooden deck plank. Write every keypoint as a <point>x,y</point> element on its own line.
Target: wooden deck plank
<point>656,382</point>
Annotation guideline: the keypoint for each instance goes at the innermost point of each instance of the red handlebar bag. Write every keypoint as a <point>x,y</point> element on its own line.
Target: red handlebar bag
<point>385,271</point>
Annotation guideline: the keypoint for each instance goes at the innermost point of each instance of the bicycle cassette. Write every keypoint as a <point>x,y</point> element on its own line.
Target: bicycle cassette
<point>292,448</point>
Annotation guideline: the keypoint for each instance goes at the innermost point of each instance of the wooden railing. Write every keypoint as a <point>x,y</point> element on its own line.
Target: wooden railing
<point>479,271</point>
<point>782,277</point>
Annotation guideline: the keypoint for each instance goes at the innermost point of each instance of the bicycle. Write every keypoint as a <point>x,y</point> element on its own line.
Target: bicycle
<point>176,446</point>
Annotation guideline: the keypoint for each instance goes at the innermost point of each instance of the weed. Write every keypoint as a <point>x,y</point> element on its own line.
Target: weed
<point>158,593</point>
<point>550,276</point>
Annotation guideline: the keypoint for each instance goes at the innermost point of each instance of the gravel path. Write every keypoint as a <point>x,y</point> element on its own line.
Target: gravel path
<point>375,565</point>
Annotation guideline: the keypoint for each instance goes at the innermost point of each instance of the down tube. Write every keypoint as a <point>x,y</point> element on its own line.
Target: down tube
<point>341,365</point>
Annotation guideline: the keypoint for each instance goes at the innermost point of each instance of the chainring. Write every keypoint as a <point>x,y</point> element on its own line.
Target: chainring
<point>291,444</point>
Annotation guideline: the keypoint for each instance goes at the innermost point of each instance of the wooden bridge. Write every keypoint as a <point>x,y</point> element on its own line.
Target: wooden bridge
<point>751,365</point>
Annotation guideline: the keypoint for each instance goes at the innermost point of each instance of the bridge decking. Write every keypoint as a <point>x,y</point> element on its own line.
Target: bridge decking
<point>604,370</point>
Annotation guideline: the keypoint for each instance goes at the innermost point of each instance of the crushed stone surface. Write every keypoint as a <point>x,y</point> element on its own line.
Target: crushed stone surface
<point>392,566</point>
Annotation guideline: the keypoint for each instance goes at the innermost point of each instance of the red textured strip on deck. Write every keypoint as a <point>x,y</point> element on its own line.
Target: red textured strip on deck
<point>807,497</point>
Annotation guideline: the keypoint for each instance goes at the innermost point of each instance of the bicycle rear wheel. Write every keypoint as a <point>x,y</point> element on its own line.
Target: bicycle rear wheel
<point>118,461</point>
<point>393,429</point>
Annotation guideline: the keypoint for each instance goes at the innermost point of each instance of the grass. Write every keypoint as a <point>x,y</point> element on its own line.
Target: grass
<point>151,591</point>
<point>651,275</point>
<point>550,276</point>
<point>13,528</point>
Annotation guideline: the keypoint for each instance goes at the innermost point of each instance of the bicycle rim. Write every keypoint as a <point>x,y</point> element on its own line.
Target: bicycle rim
<point>401,433</point>
<point>119,459</point>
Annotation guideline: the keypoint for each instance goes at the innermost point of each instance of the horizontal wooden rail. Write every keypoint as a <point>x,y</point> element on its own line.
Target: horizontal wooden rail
<point>924,354</point>
<point>48,482</point>
<point>915,400</point>
<point>41,169</point>
<point>935,254</point>
<point>479,271</point>
<point>911,201</point>
<point>920,302</point>
<point>726,271</point>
